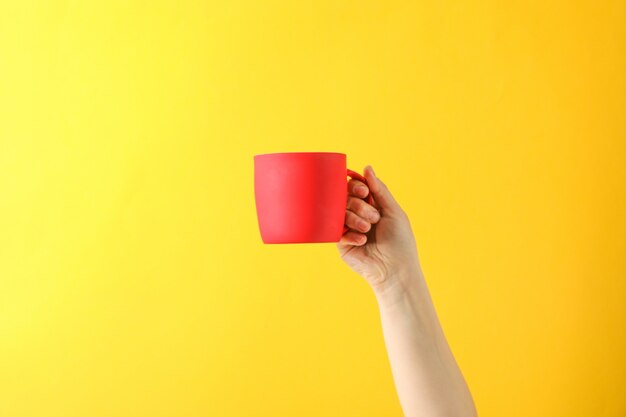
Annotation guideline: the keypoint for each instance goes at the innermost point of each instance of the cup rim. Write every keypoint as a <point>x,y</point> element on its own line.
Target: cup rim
<point>299,153</point>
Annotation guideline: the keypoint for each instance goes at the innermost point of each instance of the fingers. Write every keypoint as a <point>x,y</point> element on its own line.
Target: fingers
<point>379,190</point>
<point>359,214</point>
<point>357,223</point>
<point>353,238</point>
<point>363,210</point>
<point>357,189</point>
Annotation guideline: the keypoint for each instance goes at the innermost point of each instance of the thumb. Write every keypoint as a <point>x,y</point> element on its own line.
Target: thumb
<point>379,190</point>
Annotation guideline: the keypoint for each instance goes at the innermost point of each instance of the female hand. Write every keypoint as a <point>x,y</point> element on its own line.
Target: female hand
<point>380,244</point>
<point>380,247</point>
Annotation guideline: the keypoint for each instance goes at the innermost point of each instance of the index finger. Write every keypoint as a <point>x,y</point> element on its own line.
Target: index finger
<point>358,188</point>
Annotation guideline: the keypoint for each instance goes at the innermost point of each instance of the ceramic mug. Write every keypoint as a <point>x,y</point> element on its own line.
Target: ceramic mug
<point>301,197</point>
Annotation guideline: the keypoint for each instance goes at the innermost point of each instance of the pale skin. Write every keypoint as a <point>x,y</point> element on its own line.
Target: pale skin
<point>380,246</point>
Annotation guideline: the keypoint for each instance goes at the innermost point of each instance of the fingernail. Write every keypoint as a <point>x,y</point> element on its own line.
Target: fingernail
<point>374,217</point>
<point>363,225</point>
<point>361,189</point>
<point>372,168</point>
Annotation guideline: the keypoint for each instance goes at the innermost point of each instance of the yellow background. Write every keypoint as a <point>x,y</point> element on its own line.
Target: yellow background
<point>133,280</point>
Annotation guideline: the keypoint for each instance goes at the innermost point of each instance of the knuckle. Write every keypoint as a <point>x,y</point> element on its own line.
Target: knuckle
<point>355,204</point>
<point>363,209</point>
<point>351,218</point>
<point>355,222</point>
<point>353,184</point>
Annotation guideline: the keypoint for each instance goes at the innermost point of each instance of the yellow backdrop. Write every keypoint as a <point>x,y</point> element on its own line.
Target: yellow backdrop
<point>133,280</point>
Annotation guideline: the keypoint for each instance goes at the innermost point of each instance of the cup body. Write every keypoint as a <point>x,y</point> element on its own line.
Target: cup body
<point>300,196</point>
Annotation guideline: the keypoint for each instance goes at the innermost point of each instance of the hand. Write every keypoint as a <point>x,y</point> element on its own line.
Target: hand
<point>380,244</point>
<point>380,247</point>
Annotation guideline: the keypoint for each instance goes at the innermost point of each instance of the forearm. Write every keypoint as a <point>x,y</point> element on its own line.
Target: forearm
<point>426,375</point>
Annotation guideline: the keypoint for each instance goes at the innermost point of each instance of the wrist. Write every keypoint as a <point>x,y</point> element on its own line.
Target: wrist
<point>405,299</point>
<point>398,286</point>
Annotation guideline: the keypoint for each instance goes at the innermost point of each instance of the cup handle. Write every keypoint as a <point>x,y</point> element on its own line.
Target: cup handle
<point>368,199</point>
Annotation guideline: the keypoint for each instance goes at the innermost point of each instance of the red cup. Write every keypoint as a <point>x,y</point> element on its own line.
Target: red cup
<point>301,196</point>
